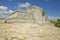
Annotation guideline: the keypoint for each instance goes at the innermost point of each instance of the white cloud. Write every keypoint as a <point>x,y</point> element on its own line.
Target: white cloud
<point>10,11</point>
<point>24,4</point>
<point>27,4</point>
<point>3,8</point>
<point>7,12</point>
<point>53,18</point>
<point>3,11</point>
<point>0,11</point>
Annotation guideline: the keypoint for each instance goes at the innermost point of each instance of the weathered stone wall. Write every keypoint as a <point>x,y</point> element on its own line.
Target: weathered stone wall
<point>32,14</point>
<point>2,21</point>
<point>19,21</point>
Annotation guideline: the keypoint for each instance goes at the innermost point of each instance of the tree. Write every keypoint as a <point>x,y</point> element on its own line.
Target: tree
<point>58,19</point>
<point>43,13</point>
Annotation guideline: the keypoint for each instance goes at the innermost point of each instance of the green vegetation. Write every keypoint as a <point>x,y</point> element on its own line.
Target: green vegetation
<point>56,23</point>
<point>43,13</point>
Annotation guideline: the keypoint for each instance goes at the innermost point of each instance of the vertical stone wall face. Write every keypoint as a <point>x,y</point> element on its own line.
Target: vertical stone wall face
<point>32,14</point>
<point>38,16</point>
<point>23,25</point>
<point>22,17</point>
<point>14,15</point>
<point>27,18</point>
<point>2,21</point>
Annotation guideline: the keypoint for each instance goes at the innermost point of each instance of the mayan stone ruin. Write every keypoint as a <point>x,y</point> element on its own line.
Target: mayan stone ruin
<point>32,14</point>
<point>28,25</point>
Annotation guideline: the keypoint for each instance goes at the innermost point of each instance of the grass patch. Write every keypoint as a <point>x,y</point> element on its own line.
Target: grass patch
<point>57,24</point>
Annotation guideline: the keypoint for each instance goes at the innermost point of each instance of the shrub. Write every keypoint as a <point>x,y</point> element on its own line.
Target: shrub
<point>57,24</point>
<point>43,13</point>
<point>58,19</point>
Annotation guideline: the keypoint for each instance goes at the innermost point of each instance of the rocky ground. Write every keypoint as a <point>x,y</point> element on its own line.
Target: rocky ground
<point>29,31</point>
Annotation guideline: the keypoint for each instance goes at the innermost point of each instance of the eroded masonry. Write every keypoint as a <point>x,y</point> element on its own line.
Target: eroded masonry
<point>32,15</point>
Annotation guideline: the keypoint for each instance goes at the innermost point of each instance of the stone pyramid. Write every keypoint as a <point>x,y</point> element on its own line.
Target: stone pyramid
<point>32,14</point>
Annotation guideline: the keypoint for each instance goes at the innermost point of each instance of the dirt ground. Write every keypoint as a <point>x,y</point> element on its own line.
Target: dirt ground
<point>29,31</point>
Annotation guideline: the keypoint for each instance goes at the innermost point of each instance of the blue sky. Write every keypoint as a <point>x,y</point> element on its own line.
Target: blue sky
<point>52,7</point>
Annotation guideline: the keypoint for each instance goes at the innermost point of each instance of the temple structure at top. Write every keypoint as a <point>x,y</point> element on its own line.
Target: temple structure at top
<point>33,14</point>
